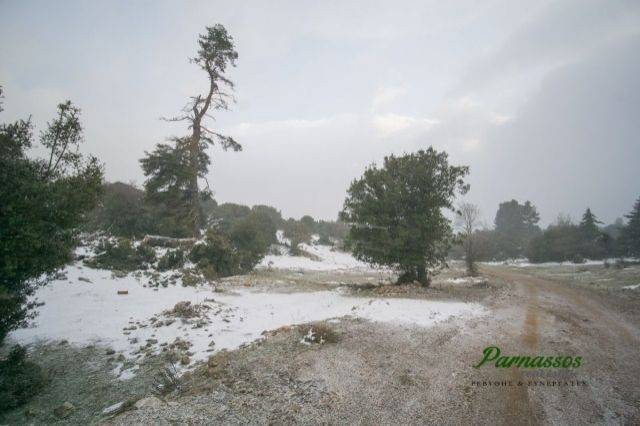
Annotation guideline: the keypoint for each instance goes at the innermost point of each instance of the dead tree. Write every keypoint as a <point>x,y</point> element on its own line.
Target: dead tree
<point>468,220</point>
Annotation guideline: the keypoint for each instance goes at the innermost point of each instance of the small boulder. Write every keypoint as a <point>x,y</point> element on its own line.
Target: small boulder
<point>64,410</point>
<point>113,409</point>
<point>110,351</point>
<point>123,292</point>
<point>148,402</point>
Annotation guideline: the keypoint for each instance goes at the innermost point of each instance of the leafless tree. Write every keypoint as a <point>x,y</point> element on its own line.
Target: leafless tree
<point>468,221</point>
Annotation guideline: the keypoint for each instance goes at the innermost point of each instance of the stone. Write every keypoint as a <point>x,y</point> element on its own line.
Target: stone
<point>110,351</point>
<point>123,292</point>
<point>148,402</point>
<point>64,410</point>
<point>113,409</point>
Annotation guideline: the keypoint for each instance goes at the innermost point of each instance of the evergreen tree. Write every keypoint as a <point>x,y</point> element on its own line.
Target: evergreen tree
<point>593,242</point>
<point>173,170</point>
<point>631,232</point>
<point>516,225</point>
<point>395,212</point>
<point>123,212</point>
<point>42,202</point>
<point>168,186</point>
<point>589,225</point>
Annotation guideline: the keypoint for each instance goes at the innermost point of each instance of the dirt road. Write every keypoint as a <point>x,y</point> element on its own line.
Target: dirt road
<point>381,374</point>
<point>546,317</point>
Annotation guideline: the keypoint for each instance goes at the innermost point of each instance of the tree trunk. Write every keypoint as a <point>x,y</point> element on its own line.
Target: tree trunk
<point>415,273</point>
<point>422,276</point>
<point>469,257</point>
<point>194,151</point>
<point>194,210</point>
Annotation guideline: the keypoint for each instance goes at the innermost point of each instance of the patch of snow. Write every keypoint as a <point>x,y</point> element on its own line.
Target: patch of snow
<point>95,313</point>
<point>330,259</point>
<point>631,287</point>
<point>466,280</point>
<point>282,240</point>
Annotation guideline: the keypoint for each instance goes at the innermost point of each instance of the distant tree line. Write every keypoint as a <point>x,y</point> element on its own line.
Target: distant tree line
<point>516,233</point>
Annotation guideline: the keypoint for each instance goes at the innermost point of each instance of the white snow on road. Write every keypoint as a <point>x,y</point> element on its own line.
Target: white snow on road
<point>93,312</point>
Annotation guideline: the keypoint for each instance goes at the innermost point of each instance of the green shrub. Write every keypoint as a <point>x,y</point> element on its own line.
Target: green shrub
<point>237,252</point>
<point>122,256</point>
<point>173,259</point>
<point>250,241</point>
<point>122,212</point>
<point>216,255</point>
<point>145,253</point>
<point>20,379</point>
<point>325,240</point>
<point>578,259</point>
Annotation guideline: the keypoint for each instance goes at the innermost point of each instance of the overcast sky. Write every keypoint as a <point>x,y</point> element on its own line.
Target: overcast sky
<point>540,98</point>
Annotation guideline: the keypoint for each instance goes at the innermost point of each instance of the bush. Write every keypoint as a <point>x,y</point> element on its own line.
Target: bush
<point>20,379</point>
<point>225,215</point>
<point>173,259</point>
<point>577,259</point>
<point>251,242</point>
<point>216,254</point>
<point>297,232</point>
<point>237,252</point>
<point>264,219</point>
<point>558,243</point>
<point>397,212</point>
<point>122,256</point>
<point>122,212</point>
<point>42,203</point>
<point>325,240</point>
<point>621,263</point>
<point>145,253</point>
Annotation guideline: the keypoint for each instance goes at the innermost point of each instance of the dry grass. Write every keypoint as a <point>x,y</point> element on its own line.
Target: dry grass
<point>318,333</point>
<point>187,309</point>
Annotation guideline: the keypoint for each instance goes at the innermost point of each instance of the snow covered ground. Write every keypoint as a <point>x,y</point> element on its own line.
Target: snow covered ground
<point>524,263</point>
<point>85,308</point>
<point>328,259</point>
<point>466,280</point>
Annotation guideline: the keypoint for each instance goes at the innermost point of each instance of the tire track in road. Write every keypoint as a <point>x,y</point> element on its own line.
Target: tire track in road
<point>519,409</point>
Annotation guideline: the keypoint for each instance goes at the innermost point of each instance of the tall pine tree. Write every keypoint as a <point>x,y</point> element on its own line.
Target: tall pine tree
<point>593,242</point>
<point>173,170</point>
<point>589,225</point>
